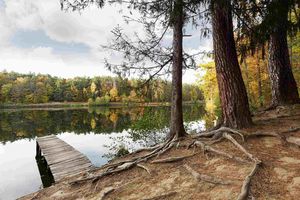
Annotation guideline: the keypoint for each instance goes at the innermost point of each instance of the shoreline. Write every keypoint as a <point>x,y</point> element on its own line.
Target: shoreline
<point>74,105</point>
<point>178,170</point>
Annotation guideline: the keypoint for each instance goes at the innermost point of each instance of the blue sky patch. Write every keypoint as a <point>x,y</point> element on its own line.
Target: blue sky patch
<point>38,38</point>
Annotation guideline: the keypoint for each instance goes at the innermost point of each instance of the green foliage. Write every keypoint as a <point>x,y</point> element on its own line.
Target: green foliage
<point>99,101</point>
<point>122,151</point>
<point>255,74</point>
<point>113,94</point>
<point>31,89</point>
<point>209,87</point>
<point>90,101</point>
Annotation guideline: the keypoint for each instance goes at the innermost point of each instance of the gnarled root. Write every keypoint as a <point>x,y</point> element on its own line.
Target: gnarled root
<point>105,192</point>
<point>207,148</point>
<point>225,133</point>
<point>240,147</point>
<point>125,165</point>
<point>246,184</point>
<point>216,134</point>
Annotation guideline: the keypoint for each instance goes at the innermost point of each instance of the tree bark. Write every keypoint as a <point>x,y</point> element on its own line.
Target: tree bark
<point>176,124</point>
<point>233,95</point>
<point>283,84</point>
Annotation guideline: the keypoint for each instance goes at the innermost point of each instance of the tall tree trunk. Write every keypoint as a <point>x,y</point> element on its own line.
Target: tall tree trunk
<point>233,95</point>
<point>283,84</point>
<point>176,124</point>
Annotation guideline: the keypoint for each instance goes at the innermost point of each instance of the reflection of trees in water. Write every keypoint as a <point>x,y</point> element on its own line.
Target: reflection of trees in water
<point>149,129</point>
<point>144,122</point>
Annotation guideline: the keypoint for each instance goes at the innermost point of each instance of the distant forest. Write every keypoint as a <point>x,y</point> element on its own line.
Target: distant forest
<point>32,88</point>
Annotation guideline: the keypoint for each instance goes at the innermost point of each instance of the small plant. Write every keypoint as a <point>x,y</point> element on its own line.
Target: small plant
<point>122,151</point>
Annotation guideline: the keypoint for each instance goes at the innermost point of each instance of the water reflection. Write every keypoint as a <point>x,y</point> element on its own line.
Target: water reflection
<point>16,125</point>
<point>97,133</point>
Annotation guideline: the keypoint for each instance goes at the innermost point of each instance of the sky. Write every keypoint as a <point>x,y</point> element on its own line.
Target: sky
<point>37,37</point>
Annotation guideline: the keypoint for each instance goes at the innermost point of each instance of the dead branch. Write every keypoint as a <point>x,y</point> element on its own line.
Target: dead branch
<point>246,184</point>
<point>171,159</point>
<point>205,178</point>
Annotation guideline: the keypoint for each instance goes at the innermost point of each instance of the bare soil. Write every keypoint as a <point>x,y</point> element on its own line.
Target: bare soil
<point>278,177</point>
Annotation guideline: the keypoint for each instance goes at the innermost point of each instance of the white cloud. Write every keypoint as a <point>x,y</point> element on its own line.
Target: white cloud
<point>90,27</point>
<point>43,60</point>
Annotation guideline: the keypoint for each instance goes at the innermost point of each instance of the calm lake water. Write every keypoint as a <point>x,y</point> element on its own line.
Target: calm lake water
<point>97,133</point>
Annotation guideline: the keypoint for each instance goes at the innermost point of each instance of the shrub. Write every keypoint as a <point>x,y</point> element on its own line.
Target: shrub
<point>90,101</point>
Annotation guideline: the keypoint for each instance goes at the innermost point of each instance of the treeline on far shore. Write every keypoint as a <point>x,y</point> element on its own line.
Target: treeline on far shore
<point>16,89</point>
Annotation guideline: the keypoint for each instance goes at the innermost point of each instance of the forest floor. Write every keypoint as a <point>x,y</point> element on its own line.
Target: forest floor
<point>203,175</point>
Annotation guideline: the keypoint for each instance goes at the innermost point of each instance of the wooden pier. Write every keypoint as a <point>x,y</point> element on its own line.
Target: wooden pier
<point>62,159</point>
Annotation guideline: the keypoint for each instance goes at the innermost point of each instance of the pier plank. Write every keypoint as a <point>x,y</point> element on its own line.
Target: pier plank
<point>62,159</point>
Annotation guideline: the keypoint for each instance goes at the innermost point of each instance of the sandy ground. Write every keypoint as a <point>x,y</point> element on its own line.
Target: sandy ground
<point>277,178</point>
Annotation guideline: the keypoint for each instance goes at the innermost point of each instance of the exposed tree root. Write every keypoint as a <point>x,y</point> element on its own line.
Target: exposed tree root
<point>293,140</point>
<point>125,165</point>
<point>172,159</point>
<point>246,184</point>
<point>225,133</point>
<point>207,148</point>
<point>203,140</point>
<point>216,134</point>
<point>120,168</point>
<point>240,147</point>
<point>105,192</point>
<point>284,139</point>
<point>145,168</point>
<point>205,178</point>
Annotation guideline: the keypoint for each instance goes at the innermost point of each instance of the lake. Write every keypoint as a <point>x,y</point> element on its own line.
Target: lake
<point>96,132</point>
